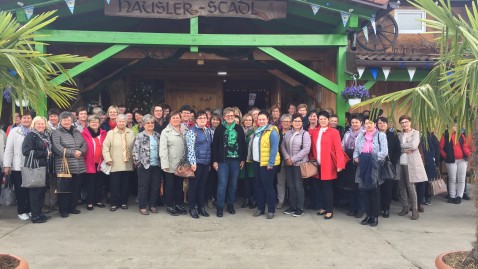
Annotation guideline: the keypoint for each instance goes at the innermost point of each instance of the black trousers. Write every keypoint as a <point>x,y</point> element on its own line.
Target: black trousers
<point>372,202</point>
<point>149,181</point>
<point>173,190</point>
<point>386,193</point>
<point>325,189</point>
<point>21,194</point>
<point>420,187</point>
<point>37,199</point>
<point>94,187</point>
<point>211,185</point>
<point>119,182</point>
<point>197,187</point>
<point>67,201</point>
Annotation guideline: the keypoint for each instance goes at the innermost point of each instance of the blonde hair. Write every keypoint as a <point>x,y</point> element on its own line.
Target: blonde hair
<point>246,116</point>
<point>37,119</point>
<point>110,108</point>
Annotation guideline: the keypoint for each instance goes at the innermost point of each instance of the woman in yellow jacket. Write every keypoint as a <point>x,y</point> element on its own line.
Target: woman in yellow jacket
<point>264,153</point>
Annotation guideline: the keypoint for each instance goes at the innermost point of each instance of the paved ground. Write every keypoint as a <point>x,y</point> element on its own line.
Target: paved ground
<point>125,239</point>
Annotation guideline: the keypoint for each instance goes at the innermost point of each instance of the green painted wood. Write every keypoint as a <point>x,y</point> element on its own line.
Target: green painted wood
<point>304,70</point>
<point>85,66</point>
<point>341,105</point>
<point>369,84</point>
<point>167,39</point>
<point>395,75</point>
<point>21,16</point>
<point>12,5</point>
<point>194,25</point>
<point>42,110</point>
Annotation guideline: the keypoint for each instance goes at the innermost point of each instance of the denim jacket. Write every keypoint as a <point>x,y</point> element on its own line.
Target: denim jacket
<point>141,149</point>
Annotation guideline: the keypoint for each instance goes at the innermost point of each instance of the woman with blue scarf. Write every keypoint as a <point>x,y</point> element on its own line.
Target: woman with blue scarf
<point>371,148</point>
<point>264,153</point>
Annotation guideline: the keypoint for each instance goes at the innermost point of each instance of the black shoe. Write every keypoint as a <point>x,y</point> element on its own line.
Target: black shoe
<point>290,211</point>
<point>45,217</point>
<point>466,197</point>
<point>38,220</point>
<point>181,209</point>
<point>75,211</point>
<point>64,215</point>
<point>298,212</point>
<point>373,222</point>
<point>231,210</point>
<point>252,205</point>
<point>359,214</point>
<point>258,213</point>
<point>194,213</point>
<point>203,212</point>
<point>100,205</point>
<point>351,213</point>
<point>88,207</point>
<point>366,221</point>
<point>458,200</point>
<point>245,204</point>
<point>386,213</point>
<point>270,215</point>
<point>451,200</point>
<point>172,211</point>
<point>219,213</point>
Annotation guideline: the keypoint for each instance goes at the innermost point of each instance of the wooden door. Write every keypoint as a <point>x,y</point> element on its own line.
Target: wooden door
<point>195,93</point>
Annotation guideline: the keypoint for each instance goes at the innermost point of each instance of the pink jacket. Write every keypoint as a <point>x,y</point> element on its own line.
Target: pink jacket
<point>90,150</point>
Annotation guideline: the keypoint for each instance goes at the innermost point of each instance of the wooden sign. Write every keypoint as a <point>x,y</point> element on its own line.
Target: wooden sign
<point>183,9</point>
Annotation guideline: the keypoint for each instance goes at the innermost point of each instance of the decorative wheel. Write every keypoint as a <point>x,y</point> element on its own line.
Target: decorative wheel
<point>387,34</point>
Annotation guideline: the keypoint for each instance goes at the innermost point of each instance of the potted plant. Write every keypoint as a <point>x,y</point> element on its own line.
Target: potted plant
<point>355,94</point>
<point>8,261</point>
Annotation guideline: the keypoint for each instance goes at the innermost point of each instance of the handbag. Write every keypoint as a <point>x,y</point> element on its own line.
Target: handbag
<point>309,169</point>
<point>64,178</point>
<point>388,170</point>
<point>7,195</point>
<point>106,169</point>
<point>184,170</point>
<point>437,185</point>
<point>33,175</point>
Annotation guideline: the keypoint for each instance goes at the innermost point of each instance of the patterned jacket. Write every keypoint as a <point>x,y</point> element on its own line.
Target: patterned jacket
<point>199,143</point>
<point>142,148</point>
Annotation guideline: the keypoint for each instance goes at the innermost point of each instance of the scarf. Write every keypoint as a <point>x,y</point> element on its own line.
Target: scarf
<point>93,133</point>
<point>23,130</point>
<point>125,148</point>
<point>368,145</point>
<point>259,130</point>
<point>230,133</point>
<point>350,143</point>
<point>44,137</point>
<point>112,124</point>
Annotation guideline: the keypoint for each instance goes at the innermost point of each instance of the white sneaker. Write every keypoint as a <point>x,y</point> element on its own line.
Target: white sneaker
<point>23,216</point>
<point>29,214</point>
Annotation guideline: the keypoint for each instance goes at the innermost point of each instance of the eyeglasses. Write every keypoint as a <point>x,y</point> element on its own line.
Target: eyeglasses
<point>229,116</point>
<point>149,122</point>
<point>286,121</point>
<point>297,121</point>
<point>405,121</point>
<point>158,110</point>
<point>201,118</point>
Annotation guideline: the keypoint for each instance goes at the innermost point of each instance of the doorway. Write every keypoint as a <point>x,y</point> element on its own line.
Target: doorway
<point>247,93</point>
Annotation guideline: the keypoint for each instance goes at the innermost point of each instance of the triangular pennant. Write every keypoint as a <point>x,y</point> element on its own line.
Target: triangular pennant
<point>374,71</point>
<point>108,1</point>
<point>374,25</point>
<point>411,72</point>
<point>360,70</point>
<point>345,17</point>
<point>28,11</point>
<point>71,5</point>
<point>386,71</point>
<point>315,8</point>
<point>365,32</point>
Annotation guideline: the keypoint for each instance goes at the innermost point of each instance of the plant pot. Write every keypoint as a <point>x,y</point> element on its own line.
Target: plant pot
<point>440,264</point>
<point>354,101</point>
<point>22,265</point>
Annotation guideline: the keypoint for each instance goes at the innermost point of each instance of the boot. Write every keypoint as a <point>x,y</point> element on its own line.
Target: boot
<point>203,212</point>
<point>404,211</point>
<point>194,213</point>
<point>252,205</point>
<point>415,214</point>
<point>373,222</point>
<point>245,204</point>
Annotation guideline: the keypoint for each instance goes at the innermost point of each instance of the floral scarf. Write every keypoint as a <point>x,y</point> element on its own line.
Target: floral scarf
<point>45,137</point>
<point>350,143</point>
<point>230,140</point>
<point>23,130</point>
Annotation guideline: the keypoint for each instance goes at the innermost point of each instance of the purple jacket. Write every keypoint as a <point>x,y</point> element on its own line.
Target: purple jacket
<point>298,149</point>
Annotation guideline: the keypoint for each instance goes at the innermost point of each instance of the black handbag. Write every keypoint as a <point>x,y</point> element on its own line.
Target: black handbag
<point>387,169</point>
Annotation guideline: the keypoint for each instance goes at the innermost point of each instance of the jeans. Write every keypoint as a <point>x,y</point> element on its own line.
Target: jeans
<point>197,187</point>
<point>296,186</point>
<point>21,194</point>
<point>67,201</point>
<point>227,175</point>
<point>456,178</point>
<point>173,190</point>
<point>249,188</point>
<point>119,182</point>
<point>149,181</point>
<point>264,187</point>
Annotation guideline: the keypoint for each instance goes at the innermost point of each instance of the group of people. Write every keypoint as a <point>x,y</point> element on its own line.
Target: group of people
<point>262,150</point>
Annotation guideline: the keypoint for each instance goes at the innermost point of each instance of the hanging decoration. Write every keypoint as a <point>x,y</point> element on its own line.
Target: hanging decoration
<point>374,25</point>
<point>71,5</point>
<point>360,70</point>
<point>411,72</point>
<point>386,71</point>
<point>355,93</point>
<point>374,71</point>
<point>28,11</point>
<point>365,32</point>
<point>315,8</point>
<point>345,17</point>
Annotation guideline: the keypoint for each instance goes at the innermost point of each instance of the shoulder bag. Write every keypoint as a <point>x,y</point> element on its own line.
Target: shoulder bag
<point>33,175</point>
<point>310,168</point>
<point>64,178</point>
<point>437,185</point>
<point>7,195</point>
<point>387,170</point>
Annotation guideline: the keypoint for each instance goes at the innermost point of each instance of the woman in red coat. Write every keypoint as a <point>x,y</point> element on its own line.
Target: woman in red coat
<point>327,151</point>
<point>94,137</point>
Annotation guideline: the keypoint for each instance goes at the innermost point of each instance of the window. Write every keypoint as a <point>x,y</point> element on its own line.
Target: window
<point>408,21</point>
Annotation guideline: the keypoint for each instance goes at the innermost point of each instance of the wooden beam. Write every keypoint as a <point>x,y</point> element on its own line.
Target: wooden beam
<point>281,75</point>
<point>112,74</point>
<point>194,25</point>
<point>304,70</point>
<point>85,66</point>
<point>369,84</point>
<point>168,39</point>
<point>42,110</point>
<point>341,106</point>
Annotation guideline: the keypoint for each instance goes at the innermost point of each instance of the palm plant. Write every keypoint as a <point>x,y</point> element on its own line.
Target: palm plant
<point>26,72</point>
<point>451,88</point>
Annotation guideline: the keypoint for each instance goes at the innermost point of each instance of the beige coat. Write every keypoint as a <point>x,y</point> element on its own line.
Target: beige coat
<point>113,150</point>
<point>416,169</point>
<point>172,148</point>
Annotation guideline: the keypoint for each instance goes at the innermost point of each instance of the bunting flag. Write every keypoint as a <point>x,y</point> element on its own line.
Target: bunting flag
<point>28,11</point>
<point>360,70</point>
<point>315,8</point>
<point>411,72</point>
<point>345,17</point>
<point>374,25</point>
<point>386,71</point>
<point>71,5</point>
<point>365,32</point>
<point>374,71</point>
<point>108,1</point>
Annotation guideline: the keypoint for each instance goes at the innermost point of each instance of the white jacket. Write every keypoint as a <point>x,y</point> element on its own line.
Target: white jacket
<point>13,150</point>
